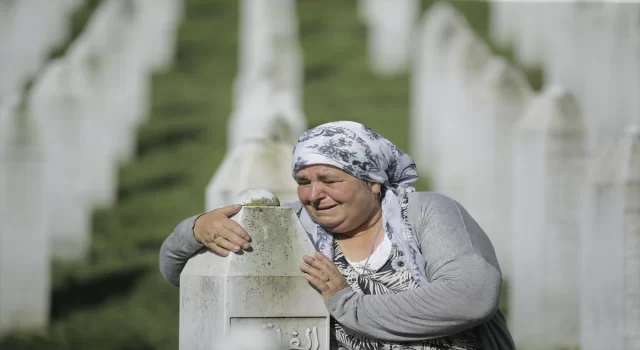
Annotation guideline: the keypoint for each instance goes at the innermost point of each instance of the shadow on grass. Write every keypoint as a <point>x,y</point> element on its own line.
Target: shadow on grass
<point>74,295</point>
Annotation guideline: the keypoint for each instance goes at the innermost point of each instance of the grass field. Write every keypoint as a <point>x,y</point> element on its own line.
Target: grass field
<point>118,300</point>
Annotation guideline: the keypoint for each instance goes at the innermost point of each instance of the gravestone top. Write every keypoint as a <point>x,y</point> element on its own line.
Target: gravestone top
<point>257,197</point>
<point>554,110</point>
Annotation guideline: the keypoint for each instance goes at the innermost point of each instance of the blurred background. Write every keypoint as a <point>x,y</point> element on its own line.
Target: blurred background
<point>115,115</point>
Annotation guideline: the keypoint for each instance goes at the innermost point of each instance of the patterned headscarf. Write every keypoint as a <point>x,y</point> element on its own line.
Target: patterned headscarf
<point>366,155</point>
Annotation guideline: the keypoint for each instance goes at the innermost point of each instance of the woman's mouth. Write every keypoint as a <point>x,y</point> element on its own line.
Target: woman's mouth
<point>325,209</point>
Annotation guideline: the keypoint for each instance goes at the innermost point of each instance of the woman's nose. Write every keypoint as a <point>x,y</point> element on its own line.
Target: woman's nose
<point>317,192</point>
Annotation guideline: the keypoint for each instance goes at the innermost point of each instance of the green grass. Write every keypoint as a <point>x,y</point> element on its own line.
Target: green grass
<point>118,299</point>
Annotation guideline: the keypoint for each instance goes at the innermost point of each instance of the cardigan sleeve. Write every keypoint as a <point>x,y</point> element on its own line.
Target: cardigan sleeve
<point>465,281</point>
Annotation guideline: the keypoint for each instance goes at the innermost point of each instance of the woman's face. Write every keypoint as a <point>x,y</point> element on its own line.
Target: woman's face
<point>336,200</point>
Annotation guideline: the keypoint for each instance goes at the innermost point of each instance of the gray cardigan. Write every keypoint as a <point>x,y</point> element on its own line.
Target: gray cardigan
<point>460,264</point>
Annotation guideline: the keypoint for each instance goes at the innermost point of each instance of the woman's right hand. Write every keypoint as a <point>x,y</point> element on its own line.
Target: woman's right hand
<point>219,233</point>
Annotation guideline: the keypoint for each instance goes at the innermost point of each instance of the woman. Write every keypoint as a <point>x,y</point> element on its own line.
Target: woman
<point>397,269</point>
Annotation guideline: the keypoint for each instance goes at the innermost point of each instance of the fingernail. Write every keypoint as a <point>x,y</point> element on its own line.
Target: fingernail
<point>245,246</point>
<point>236,248</point>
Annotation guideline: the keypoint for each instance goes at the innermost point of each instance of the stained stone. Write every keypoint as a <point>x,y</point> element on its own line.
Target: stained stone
<point>256,164</point>
<point>497,102</point>
<point>24,239</point>
<point>244,300</point>
<point>548,197</point>
<point>440,26</point>
<point>610,249</point>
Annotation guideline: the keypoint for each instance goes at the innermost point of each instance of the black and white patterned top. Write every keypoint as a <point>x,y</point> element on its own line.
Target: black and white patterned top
<point>392,277</point>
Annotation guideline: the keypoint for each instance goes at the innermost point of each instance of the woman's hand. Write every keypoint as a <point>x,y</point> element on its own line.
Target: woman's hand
<point>323,274</point>
<point>219,233</point>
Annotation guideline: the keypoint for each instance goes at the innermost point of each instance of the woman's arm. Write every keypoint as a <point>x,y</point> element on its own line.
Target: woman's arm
<point>465,281</point>
<point>177,249</point>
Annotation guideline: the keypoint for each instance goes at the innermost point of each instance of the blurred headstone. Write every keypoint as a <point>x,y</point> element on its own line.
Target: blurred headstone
<point>55,102</point>
<point>496,103</point>
<point>440,26</point>
<point>548,187</point>
<point>466,61</point>
<point>610,250</point>
<point>258,299</point>
<point>24,239</point>
<point>391,26</point>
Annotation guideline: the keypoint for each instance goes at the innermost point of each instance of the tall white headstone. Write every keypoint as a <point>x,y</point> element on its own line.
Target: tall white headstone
<point>440,26</point>
<point>548,187</point>
<point>24,238</point>
<point>59,105</point>
<point>258,299</point>
<point>497,102</point>
<point>610,250</point>
<point>466,61</point>
<point>390,39</point>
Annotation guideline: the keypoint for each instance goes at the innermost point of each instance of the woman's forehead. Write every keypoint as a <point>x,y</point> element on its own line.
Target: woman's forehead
<point>320,170</point>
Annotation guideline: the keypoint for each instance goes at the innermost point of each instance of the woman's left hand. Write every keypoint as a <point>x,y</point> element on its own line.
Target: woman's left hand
<point>323,274</point>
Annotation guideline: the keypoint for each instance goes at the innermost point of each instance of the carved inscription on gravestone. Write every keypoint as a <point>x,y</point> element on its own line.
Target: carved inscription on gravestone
<point>292,333</point>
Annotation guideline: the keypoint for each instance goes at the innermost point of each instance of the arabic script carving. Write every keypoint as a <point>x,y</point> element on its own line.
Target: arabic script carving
<point>311,336</point>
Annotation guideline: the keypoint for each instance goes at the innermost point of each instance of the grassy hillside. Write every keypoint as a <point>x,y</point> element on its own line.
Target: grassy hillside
<point>118,299</point>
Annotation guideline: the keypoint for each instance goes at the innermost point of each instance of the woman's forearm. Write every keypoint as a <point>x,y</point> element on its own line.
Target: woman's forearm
<point>463,294</point>
<point>177,249</point>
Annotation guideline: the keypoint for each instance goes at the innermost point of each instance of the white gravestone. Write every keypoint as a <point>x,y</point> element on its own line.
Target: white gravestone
<point>440,26</point>
<point>266,111</point>
<point>610,250</point>
<point>89,74</point>
<point>548,187</point>
<point>467,60</point>
<point>498,101</point>
<point>258,299</point>
<point>54,102</point>
<point>24,236</point>
<point>262,163</point>
<point>391,26</point>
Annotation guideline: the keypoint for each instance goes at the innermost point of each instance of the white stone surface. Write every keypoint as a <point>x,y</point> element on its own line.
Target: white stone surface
<point>256,164</point>
<point>610,249</point>
<point>89,72</point>
<point>390,40</point>
<point>548,198</point>
<point>24,239</point>
<point>466,61</point>
<point>497,102</point>
<point>269,48</point>
<point>440,26</point>
<point>59,105</point>
<point>260,290</point>
<point>266,112</point>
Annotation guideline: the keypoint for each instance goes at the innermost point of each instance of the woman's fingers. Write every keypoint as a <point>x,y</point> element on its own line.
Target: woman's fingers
<point>235,233</point>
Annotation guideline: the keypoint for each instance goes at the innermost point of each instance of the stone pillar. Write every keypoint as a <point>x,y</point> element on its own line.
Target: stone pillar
<point>548,188</point>
<point>610,249</point>
<point>466,61</point>
<point>440,26</point>
<point>24,239</point>
<point>496,103</point>
<point>54,102</point>
<point>390,41</point>
<point>258,299</point>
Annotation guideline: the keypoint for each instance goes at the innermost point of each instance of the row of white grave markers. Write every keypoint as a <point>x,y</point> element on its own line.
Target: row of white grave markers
<point>591,47</point>
<point>61,145</point>
<point>267,118</point>
<point>519,162</point>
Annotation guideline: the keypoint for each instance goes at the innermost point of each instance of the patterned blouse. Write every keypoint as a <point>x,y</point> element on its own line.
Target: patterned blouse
<point>392,277</point>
